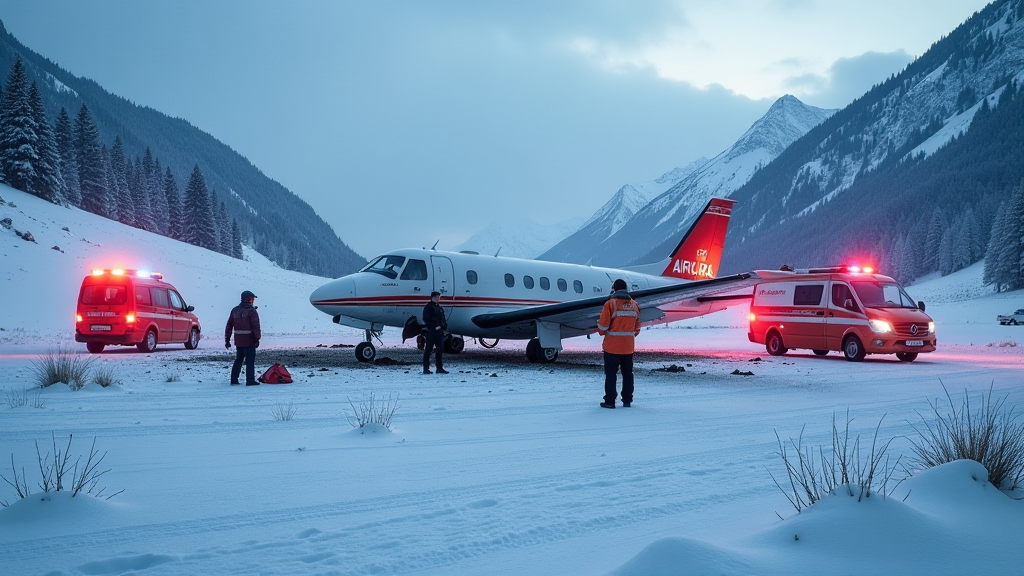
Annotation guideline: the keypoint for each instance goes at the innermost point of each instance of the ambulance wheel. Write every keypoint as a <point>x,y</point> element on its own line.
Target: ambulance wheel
<point>820,352</point>
<point>95,347</point>
<point>148,343</point>
<point>547,355</point>
<point>533,351</point>
<point>454,345</point>
<point>774,344</point>
<point>906,356</point>
<point>853,349</point>
<point>365,352</point>
<point>193,339</point>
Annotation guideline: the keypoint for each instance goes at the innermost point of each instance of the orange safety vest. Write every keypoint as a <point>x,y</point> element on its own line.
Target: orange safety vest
<point>619,324</point>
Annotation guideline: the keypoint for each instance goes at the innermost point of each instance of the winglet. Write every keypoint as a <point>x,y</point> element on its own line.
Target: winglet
<point>700,251</point>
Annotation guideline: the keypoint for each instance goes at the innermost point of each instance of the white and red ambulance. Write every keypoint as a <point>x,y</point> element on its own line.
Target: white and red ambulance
<point>842,308</point>
<point>133,308</point>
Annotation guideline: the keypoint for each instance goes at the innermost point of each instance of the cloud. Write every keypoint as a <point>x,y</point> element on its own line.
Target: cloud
<point>847,78</point>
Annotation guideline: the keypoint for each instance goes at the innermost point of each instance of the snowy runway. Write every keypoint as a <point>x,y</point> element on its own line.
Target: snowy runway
<point>515,473</point>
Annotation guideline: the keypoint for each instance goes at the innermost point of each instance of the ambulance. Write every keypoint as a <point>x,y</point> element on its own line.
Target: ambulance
<point>133,308</point>
<point>841,308</point>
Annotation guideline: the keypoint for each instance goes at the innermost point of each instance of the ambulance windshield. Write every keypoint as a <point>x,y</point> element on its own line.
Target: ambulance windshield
<point>386,266</point>
<point>876,294</point>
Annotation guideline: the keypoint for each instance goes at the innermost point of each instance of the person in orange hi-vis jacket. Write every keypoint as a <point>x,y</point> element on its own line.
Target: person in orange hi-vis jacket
<point>620,325</point>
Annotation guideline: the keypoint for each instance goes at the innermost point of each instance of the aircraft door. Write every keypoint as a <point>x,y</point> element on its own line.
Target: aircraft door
<point>444,280</point>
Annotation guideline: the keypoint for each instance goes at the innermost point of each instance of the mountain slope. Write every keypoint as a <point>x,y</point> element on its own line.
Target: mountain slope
<point>870,149</point>
<point>610,218</point>
<point>272,219</point>
<point>655,229</point>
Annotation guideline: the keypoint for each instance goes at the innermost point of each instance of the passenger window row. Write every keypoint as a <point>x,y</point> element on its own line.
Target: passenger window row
<point>528,282</point>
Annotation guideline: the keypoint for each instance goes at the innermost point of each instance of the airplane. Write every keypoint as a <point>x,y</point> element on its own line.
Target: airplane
<point>490,298</point>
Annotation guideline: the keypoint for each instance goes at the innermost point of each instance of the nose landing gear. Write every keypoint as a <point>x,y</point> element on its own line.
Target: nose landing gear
<point>365,351</point>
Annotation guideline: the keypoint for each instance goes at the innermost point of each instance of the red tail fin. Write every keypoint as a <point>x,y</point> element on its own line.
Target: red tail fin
<point>699,252</point>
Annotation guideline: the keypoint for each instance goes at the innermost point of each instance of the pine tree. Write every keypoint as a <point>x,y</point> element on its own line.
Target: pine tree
<point>174,216</point>
<point>224,227</point>
<point>1008,247</point>
<point>157,199</point>
<point>140,192</point>
<point>908,259</point>
<point>236,240</point>
<point>198,216</point>
<point>90,163</point>
<point>991,274</point>
<point>49,182</point>
<point>931,243</point>
<point>65,138</point>
<point>125,206</point>
<point>896,268</point>
<point>111,207</point>
<point>946,252</point>
<point>19,141</point>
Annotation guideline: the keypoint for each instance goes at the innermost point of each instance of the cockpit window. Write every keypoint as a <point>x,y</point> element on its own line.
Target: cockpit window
<point>416,270</point>
<point>882,295</point>
<point>386,266</point>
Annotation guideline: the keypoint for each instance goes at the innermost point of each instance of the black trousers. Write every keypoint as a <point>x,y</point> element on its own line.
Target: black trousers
<point>247,353</point>
<point>612,364</point>
<point>434,340</point>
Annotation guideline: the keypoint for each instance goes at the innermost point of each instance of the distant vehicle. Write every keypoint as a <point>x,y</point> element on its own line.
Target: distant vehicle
<point>133,308</point>
<point>1013,319</point>
<point>842,308</point>
<point>487,297</point>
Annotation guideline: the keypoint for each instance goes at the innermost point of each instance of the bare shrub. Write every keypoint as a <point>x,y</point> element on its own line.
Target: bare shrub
<point>173,378</point>
<point>284,413</point>
<point>847,468</point>
<point>57,473</point>
<point>19,398</point>
<point>61,365</point>
<point>990,434</point>
<point>105,376</point>
<point>373,411</point>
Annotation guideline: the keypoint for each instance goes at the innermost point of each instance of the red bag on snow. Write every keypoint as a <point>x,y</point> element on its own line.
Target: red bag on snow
<point>276,374</point>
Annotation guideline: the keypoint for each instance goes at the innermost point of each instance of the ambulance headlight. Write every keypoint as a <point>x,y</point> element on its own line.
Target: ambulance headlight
<point>931,327</point>
<point>880,326</point>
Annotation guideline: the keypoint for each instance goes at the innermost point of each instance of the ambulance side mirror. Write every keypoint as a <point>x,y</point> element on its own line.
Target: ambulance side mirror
<point>920,305</point>
<point>189,308</point>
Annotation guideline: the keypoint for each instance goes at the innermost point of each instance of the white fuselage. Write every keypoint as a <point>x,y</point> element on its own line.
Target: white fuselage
<point>470,284</point>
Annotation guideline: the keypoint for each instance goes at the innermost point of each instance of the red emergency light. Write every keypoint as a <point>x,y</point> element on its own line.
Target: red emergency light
<point>124,272</point>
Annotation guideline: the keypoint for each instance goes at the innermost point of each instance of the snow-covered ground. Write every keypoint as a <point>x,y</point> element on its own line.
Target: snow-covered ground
<point>502,467</point>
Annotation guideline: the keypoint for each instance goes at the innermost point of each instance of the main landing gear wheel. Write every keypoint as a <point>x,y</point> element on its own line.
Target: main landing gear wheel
<point>365,352</point>
<point>536,354</point>
<point>906,356</point>
<point>95,347</point>
<point>774,344</point>
<point>193,339</point>
<point>853,350</point>
<point>487,344</point>
<point>148,343</point>
<point>454,344</point>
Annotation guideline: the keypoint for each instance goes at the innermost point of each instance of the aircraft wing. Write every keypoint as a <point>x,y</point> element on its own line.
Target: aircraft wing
<point>583,314</point>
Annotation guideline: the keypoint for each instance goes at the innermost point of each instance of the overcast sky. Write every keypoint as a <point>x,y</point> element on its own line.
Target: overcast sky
<point>403,123</point>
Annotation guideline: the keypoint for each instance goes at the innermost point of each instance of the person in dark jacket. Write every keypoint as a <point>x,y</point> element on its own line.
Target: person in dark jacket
<point>434,325</point>
<point>245,322</point>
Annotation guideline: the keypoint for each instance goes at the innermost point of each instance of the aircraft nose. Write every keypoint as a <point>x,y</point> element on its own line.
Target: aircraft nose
<point>333,294</point>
